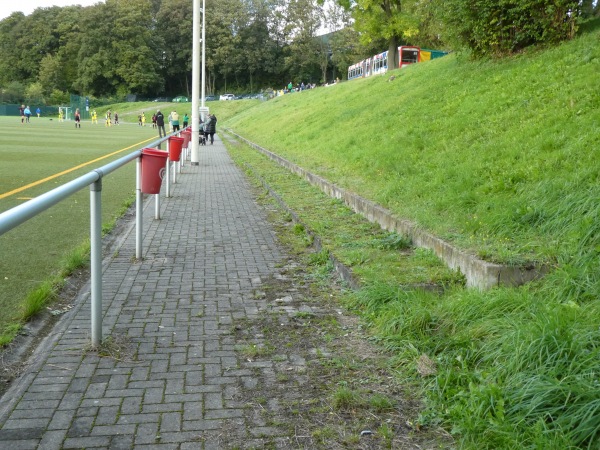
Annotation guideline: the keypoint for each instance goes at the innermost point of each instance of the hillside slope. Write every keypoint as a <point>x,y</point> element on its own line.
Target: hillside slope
<point>498,156</point>
<point>502,158</point>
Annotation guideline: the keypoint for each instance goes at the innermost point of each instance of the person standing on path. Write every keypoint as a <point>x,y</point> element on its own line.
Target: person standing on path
<point>160,123</point>
<point>211,127</point>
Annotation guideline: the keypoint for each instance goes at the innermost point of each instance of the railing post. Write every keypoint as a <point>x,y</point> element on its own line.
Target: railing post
<point>168,192</point>
<point>139,210</point>
<point>157,206</point>
<point>174,167</point>
<point>96,260</point>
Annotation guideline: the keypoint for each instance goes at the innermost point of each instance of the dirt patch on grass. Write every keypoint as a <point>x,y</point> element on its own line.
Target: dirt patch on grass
<point>313,378</point>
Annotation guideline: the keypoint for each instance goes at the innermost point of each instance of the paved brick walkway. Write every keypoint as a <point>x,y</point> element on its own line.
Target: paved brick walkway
<point>174,369</point>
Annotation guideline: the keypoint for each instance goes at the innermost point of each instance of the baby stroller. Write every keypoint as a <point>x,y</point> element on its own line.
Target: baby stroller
<point>202,138</point>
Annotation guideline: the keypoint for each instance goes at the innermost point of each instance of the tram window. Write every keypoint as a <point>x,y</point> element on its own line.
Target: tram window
<point>409,56</point>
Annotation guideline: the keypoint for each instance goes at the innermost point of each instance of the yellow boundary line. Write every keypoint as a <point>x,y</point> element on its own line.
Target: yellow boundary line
<point>64,172</point>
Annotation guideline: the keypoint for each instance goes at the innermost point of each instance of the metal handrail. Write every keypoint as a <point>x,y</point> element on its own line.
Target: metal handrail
<point>19,214</point>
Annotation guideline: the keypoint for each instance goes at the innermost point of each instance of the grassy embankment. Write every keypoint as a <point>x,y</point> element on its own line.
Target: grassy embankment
<point>502,158</point>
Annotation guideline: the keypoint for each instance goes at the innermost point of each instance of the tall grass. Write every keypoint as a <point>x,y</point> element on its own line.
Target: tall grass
<point>500,157</point>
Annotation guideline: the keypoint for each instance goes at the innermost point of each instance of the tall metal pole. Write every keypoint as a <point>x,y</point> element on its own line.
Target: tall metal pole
<point>195,85</point>
<point>203,54</point>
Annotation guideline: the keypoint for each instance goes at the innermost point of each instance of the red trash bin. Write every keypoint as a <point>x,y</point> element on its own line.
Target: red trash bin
<point>187,137</point>
<point>153,170</point>
<point>175,146</point>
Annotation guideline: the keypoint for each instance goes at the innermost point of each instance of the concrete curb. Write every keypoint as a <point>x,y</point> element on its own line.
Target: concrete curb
<point>479,274</point>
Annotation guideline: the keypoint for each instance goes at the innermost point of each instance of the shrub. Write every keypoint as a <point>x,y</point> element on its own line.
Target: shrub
<point>493,28</point>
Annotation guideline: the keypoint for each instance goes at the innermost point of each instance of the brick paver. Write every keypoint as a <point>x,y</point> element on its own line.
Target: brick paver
<point>174,369</point>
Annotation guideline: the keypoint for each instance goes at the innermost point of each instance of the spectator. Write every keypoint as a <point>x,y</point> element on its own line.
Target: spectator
<point>186,119</point>
<point>160,123</point>
<point>175,120</point>
<point>211,127</point>
<point>170,122</point>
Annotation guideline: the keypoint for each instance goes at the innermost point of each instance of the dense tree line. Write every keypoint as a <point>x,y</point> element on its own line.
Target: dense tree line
<point>144,47</point>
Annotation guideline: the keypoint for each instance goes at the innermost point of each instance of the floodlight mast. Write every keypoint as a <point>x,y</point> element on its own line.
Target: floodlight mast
<point>195,157</point>
<point>203,54</point>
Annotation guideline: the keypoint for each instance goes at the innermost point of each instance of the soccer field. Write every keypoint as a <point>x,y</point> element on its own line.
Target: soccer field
<point>42,155</point>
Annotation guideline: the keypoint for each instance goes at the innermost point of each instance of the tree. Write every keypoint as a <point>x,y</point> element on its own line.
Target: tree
<point>223,37</point>
<point>136,56</point>
<point>173,39</point>
<point>58,98</point>
<point>261,55</point>
<point>34,94</point>
<point>342,40</point>
<point>489,27</point>
<point>345,50</point>
<point>38,39</point>
<point>14,92</point>
<point>51,75</point>
<point>300,25</point>
<point>117,52</point>
<point>11,30</point>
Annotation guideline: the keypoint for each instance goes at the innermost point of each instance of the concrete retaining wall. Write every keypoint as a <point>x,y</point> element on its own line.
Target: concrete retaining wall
<point>478,273</point>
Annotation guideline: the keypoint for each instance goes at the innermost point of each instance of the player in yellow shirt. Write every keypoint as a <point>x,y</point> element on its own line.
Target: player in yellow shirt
<point>94,117</point>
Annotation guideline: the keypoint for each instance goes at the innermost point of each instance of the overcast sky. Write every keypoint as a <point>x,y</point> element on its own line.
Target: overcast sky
<point>28,6</point>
